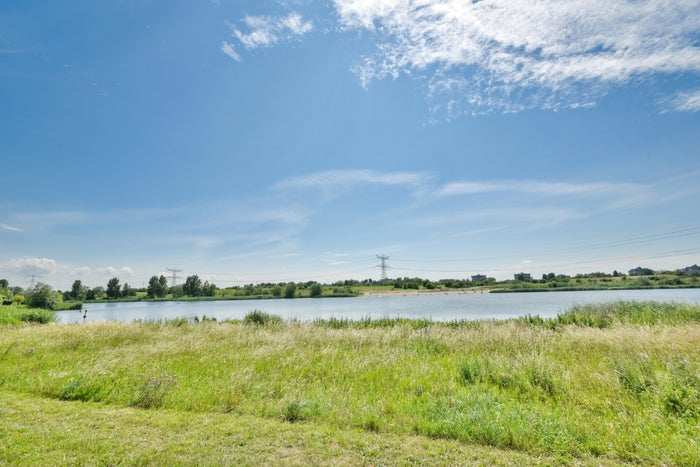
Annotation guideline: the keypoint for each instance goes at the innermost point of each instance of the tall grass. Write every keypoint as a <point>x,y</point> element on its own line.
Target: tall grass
<point>609,314</point>
<point>623,391</point>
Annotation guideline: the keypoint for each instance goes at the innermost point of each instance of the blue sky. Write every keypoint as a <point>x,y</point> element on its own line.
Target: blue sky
<point>296,140</point>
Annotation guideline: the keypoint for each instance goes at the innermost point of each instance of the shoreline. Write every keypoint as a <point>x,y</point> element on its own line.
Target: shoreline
<point>415,293</point>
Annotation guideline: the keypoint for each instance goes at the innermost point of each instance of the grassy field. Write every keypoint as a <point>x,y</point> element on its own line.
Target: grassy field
<point>604,385</point>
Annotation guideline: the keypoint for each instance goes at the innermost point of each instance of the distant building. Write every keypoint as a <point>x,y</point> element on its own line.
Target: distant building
<point>478,278</point>
<point>639,271</point>
<point>693,268</point>
<point>523,276</point>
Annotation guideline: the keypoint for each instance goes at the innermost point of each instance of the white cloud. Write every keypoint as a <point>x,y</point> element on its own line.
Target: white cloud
<point>266,31</point>
<point>29,266</point>
<point>9,228</point>
<point>19,271</point>
<point>515,54</point>
<point>687,101</point>
<point>342,178</point>
<point>228,50</point>
<point>112,271</point>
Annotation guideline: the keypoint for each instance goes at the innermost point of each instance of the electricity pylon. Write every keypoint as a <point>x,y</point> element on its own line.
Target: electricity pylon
<point>174,276</point>
<point>383,266</point>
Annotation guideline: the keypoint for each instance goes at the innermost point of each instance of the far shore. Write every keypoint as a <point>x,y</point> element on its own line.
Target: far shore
<point>413,293</point>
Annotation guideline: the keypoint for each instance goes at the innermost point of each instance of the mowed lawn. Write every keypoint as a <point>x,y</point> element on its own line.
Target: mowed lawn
<point>603,385</point>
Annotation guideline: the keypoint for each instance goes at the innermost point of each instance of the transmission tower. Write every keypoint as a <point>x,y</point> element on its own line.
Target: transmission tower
<point>383,266</point>
<point>174,275</point>
<point>31,281</point>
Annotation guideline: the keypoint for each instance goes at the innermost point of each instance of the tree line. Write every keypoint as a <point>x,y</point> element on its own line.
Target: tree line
<point>157,288</point>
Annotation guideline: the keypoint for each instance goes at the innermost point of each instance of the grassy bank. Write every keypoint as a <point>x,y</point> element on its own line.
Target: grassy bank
<point>600,385</point>
<point>18,314</point>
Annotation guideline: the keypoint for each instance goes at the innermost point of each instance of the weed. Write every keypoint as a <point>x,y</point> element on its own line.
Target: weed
<point>153,390</point>
<point>77,390</point>
<point>69,390</point>
<point>296,411</point>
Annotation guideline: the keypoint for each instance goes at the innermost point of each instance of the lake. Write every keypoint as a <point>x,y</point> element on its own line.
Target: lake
<point>438,307</point>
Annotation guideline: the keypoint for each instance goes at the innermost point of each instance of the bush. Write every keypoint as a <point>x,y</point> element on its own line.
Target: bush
<point>34,315</point>
<point>261,318</point>
<point>42,296</point>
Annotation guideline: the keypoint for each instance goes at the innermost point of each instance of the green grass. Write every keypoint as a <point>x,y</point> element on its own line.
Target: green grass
<point>17,314</point>
<point>38,431</point>
<point>609,384</point>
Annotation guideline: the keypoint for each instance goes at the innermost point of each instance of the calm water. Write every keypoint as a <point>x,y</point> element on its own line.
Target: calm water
<point>435,307</point>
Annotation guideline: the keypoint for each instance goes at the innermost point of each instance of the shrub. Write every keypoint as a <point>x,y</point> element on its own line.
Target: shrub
<point>261,318</point>
<point>35,315</point>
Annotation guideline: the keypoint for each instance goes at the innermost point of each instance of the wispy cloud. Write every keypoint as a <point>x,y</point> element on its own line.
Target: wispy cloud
<point>228,49</point>
<point>514,54</point>
<point>542,188</point>
<point>345,178</point>
<point>266,31</point>
<point>9,228</point>
<point>617,195</point>
<point>687,101</point>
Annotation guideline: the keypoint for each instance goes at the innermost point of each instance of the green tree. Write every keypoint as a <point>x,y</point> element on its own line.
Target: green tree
<point>177,291</point>
<point>5,293</point>
<point>316,290</point>
<point>78,291</point>
<point>193,286</point>
<point>157,287</point>
<point>127,290</point>
<point>42,296</point>
<point>208,290</point>
<point>276,291</point>
<point>290,290</point>
<point>97,293</point>
<point>113,288</point>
